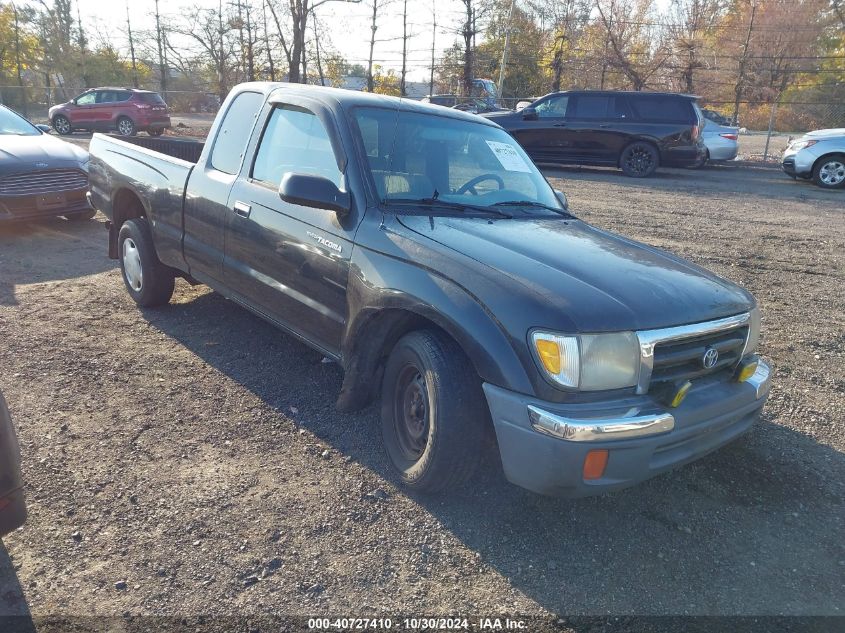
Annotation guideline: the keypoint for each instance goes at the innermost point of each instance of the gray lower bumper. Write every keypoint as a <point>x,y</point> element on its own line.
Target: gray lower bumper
<point>543,445</point>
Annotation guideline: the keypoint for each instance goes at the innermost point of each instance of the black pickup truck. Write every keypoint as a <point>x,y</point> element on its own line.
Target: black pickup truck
<point>422,250</point>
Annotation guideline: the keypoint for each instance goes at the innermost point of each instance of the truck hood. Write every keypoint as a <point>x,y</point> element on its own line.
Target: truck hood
<point>20,153</point>
<point>594,280</point>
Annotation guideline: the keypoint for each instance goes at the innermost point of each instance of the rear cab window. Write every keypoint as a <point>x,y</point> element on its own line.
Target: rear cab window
<point>234,132</point>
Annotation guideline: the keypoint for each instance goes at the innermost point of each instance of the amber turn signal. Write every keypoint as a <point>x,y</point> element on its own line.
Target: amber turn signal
<point>746,369</point>
<point>595,463</point>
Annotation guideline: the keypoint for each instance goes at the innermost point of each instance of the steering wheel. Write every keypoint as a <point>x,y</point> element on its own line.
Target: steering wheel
<point>469,185</point>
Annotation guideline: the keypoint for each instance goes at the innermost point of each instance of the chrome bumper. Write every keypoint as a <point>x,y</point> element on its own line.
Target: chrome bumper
<point>633,423</point>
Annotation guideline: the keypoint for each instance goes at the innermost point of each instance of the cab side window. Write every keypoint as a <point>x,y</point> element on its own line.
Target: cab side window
<point>553,108</point>
<point>86,99</point>
<point>235,129</point>
<point>295,140</point>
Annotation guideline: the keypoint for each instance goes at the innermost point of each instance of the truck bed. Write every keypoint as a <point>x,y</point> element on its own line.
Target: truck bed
<point>187,149</point>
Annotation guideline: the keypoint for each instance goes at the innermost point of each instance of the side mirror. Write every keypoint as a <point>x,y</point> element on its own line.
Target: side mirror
<point>561,197</point>
<point>314,191</point>
<point>529,114</point>
<point>43,128</point>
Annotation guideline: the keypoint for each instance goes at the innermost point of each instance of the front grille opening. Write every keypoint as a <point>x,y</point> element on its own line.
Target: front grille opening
<point>40,182</point>
<point>682,360</point>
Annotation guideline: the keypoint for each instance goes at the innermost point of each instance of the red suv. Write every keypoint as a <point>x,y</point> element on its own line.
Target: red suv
<point>126,110</point>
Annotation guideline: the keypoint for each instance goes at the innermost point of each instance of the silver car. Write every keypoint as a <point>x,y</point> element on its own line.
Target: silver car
<point>819,155</point>
<point>721,141</point>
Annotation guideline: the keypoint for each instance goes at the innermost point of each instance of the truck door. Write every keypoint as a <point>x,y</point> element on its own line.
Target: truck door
<point>206,203</point>
<point>289,261</point>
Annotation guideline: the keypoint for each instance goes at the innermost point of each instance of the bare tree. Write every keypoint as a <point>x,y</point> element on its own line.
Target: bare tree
<point>691,23</point>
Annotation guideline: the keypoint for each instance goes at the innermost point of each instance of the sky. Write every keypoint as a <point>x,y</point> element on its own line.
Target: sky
<point>346,26</point>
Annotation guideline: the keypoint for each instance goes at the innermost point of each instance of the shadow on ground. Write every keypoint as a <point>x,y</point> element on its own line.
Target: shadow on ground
<point>754,528</point>
<point>41,253</point>
<point>14,611</point>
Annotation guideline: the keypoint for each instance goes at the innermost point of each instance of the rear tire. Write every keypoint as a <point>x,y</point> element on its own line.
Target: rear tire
<point>81,216</point>
<point>149,282</point>
<point>433,412</point>
<point>829,172</point>
<point>126,127</point>
<point>702,162</point>
<point>155,132</point>
<point>62,125</point>
<point>639,159</point>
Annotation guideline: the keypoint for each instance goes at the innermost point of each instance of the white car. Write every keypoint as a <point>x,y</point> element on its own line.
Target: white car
<point>819,155</point>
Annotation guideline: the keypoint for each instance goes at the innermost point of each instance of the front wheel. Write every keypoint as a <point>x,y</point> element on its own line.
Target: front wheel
<point>829,172</point>
<point>639,160</point>
<point>149,282</point>
<point>432,412</point>
<point>125,126</point>
<point>62,125</point>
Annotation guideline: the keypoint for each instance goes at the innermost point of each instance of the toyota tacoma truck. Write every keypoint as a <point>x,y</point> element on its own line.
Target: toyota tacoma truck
<point>422,250</point>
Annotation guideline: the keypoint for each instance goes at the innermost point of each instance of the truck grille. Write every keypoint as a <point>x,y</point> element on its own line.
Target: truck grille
<point>683,360</point>
<point>38,182</point>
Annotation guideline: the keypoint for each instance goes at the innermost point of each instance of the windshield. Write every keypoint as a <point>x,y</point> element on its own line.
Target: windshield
<point>14,124</point>
<point>414,156</point>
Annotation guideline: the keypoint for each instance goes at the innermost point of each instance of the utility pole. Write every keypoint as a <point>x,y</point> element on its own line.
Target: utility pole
<point>433,39</point>
<point>373,27</point>
<point>81,41</point>
<point>161,61</point>
<point>131,48</point>
<point>740,81</point>
<point>317,47</point>
<point>402,91</point>
<point>500,87</point>
<point>18,58</point>
<point>267,42</point>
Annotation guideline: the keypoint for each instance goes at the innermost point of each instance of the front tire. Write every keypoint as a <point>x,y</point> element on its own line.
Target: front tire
<point>432,411</point>
<point>149,282</point>
<point>829,172</point>
<point>126,127</point>
<point>639,160</point>
<point>62,125</point>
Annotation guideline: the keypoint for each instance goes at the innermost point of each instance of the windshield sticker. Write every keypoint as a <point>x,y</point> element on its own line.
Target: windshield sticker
<point>508,156</point>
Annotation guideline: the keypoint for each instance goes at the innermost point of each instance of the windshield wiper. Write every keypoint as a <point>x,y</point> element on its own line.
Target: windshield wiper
<point>533,203</point>
<point>445,204</point>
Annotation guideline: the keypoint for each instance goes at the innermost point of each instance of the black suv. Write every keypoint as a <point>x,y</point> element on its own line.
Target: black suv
<point>635,131</point>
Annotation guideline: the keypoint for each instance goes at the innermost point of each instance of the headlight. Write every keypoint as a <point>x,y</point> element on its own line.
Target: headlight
<point>797,145</point>
<point>589,362</point>
<point>753,332</point>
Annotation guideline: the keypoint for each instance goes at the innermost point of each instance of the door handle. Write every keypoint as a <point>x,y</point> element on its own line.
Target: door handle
<point>605,125</point>
<point>559,125</point>
<point>242,209</point>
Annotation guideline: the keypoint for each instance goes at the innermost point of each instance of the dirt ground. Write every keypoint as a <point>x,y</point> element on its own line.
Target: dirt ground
<point>188,460</point>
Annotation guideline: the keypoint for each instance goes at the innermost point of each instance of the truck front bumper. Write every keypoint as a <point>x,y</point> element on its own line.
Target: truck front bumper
<point>544,445</point>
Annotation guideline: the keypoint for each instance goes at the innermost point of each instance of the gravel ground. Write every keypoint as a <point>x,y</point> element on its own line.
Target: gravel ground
<point>188,460</point>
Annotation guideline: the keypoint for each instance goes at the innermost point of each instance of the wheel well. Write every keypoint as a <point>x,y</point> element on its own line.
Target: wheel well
<point>126,205</point>
<point>825,157</point>
<point>373,341</point>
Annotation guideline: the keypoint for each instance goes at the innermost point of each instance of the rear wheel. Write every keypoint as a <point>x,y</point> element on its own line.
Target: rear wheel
<point>639,160</point>
<point>433,412</point>
<point>125,126</point>
<point>82,215</point>
<point>149,282</point>
<point>62,125</point>
<point>155,132</point>
<point>829,172</point>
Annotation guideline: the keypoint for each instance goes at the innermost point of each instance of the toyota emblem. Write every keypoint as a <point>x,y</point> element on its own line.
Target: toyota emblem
<point>710,358</point>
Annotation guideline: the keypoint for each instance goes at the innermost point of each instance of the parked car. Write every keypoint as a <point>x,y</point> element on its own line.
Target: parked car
<point>635,131</point>
<point>479,106</point>
<point>819,155</point>
<point>40,175</point>
<point>720,141</point>
<point>12,504</point>
<point>447,101</point>
<point>716,117</point>
<point>126,110</point>
<point>421,249</point>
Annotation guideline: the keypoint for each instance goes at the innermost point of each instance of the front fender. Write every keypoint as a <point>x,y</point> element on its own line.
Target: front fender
<point>389,296</point>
